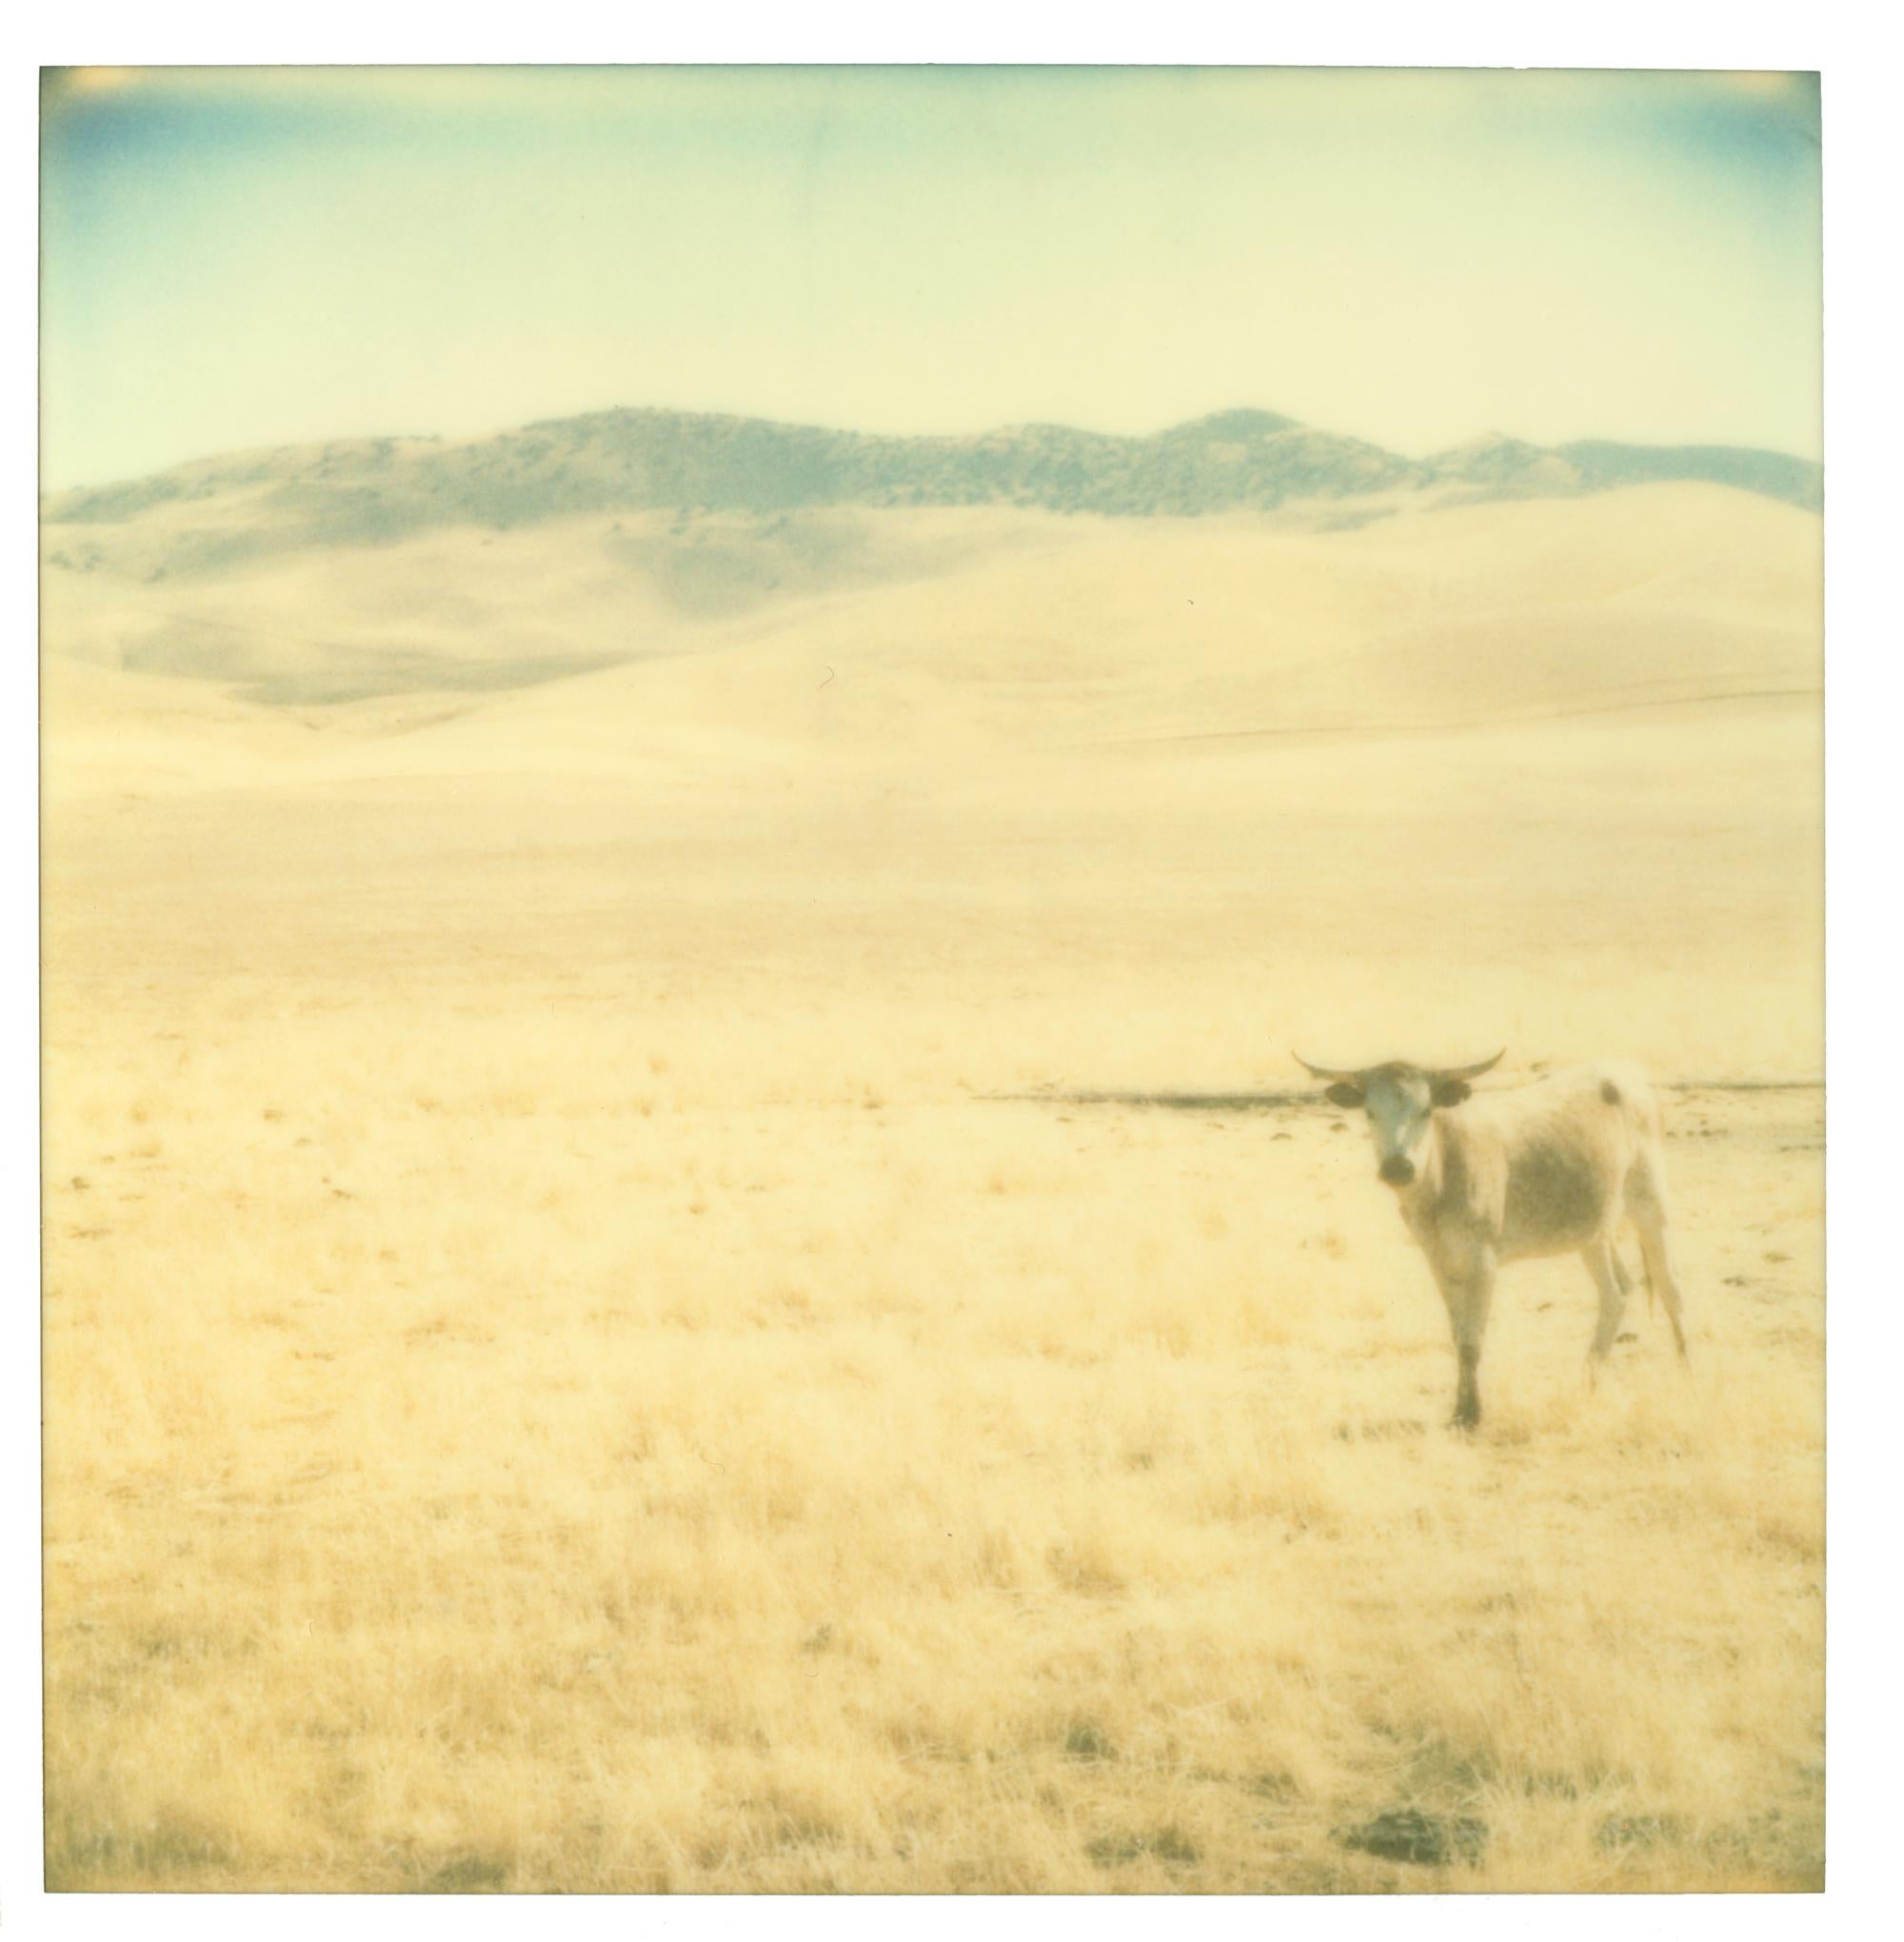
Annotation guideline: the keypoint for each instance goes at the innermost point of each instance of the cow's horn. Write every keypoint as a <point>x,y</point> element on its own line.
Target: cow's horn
<point>1472,1071</point>
<point>1328,1071</point>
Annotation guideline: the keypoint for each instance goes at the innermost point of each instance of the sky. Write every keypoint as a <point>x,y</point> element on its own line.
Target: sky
<point>233,258</point>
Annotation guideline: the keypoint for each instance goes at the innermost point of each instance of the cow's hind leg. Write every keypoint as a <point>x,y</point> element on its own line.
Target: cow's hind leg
<point>1612,1281</point>
<point>1658,1249</point>
<point>1646,1209</point>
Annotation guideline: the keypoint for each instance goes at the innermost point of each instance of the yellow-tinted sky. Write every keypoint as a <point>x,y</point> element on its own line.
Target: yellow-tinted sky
<point>237,257</point>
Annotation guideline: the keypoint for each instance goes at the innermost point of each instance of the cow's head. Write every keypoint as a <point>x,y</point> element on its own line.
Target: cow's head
<point>1399,1100</point>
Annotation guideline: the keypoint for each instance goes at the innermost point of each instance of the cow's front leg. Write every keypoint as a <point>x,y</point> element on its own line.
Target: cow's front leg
<point>1469,1291</point>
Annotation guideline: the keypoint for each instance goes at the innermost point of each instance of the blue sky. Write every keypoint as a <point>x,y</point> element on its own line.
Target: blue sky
<point>235,257</point>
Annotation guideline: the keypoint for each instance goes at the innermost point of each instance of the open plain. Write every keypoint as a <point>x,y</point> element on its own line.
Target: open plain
<point>683,1250</point>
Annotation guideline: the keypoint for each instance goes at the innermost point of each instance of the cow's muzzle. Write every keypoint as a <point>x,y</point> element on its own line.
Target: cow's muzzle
<point>1396,1171</point>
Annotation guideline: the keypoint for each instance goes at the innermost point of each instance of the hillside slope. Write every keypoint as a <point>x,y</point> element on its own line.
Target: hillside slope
<point>881,635</point>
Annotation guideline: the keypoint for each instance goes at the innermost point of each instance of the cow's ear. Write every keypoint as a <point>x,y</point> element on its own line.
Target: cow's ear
<point>1345,1095</point>
<point>1449,1092</point>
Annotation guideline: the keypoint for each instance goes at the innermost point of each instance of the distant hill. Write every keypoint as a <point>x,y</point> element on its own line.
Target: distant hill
<point>368,491</point>
<point>1798,481</point>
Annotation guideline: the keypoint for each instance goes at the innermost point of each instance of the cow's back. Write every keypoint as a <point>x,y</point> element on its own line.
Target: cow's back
<point>1559,1151</point>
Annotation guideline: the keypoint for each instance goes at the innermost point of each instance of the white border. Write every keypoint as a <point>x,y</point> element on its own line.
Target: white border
<point>1701,34</point>
<point>1613,33</point>
<point>1864,454</point>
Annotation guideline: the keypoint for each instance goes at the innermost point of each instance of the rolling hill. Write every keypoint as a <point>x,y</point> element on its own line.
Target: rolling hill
<point>1248,562</point>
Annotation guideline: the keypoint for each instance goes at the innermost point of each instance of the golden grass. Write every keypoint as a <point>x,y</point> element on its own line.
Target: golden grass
<point>531,1482</point>
<point>563,1370</point>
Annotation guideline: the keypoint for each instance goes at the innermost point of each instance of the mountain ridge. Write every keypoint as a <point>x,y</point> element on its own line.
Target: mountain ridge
<point>623,459</point>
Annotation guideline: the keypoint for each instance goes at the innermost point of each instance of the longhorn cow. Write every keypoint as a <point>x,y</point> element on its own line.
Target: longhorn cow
<point>1544,1169</point>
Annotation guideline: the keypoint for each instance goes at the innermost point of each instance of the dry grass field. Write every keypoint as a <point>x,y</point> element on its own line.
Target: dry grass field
<point>596,1336</point>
